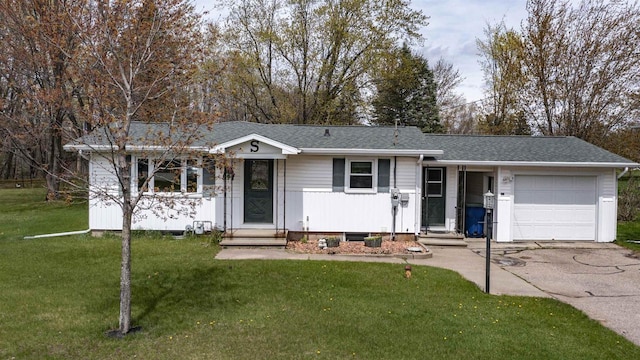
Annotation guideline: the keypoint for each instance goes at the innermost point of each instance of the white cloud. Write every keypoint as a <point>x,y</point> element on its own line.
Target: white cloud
<point>454,27</point>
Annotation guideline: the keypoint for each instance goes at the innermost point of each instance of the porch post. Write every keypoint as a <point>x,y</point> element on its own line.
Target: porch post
<point>284,195</point>
<point>418,217</point>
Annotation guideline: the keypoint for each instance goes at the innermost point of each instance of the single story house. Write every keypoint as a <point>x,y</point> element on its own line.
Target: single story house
<point>355,180</point>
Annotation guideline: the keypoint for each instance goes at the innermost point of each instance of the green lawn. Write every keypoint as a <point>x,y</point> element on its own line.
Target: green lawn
<point>629,230</point>
<point>58,296</point>
<point>24,212</point>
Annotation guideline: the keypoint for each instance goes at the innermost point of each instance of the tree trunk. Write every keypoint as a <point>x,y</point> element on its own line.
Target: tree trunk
<point>53,187</point>
<point>8,170</point>
<point>125,267</point>
<point>125,274</point>
<point>53,163</point>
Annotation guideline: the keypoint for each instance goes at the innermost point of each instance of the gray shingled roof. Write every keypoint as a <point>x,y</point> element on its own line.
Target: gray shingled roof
<point>469,148</point>
<point>563,149</point>
<point>313,136</point>
<point>298,136</point>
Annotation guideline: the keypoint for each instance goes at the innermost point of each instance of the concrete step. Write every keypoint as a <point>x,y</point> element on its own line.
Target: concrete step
<point>256,233</point>
<point>441,235</point>
<point>442,241</point>
<point>254,243</point>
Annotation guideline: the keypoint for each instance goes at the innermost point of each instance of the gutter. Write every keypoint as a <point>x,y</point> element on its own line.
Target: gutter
<point>532,163</point>
<point>57,234</point>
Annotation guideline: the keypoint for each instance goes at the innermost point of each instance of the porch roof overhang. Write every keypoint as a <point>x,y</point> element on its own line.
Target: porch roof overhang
<point>532,163</point>
<point>286,149</point>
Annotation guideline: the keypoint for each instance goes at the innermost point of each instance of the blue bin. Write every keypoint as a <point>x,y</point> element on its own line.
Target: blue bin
<point>474,221</point>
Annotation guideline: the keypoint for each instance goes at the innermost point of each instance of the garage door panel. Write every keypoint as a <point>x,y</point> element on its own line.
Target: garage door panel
<point>585,197</point>
<point>584,182</point>
<point>563,183</point>
<point>564,210</point>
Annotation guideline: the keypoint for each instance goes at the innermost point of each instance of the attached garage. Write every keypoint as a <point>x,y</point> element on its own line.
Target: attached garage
<point>555,207</point>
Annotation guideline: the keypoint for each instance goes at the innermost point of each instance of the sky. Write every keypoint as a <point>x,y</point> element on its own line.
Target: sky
<point>454,26</point>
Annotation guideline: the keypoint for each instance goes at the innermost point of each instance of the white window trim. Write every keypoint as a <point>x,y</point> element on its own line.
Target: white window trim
<point>374,177</point>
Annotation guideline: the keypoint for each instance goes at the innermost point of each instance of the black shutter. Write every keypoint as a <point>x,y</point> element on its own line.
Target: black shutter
<point>338,175</point>
<point>384,167</point>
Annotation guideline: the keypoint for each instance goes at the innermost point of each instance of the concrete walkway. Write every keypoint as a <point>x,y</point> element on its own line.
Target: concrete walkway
<point>599,279</point>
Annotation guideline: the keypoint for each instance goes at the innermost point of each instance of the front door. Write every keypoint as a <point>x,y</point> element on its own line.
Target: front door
<point>258,191</point>
<point>433,205</point>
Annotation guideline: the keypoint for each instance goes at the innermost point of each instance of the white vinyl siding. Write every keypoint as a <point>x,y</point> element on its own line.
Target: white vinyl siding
<point>310,199</point>
<point>104,191</point>
<point>152,213</point>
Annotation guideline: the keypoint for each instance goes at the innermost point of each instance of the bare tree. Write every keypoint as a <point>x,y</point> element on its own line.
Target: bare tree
<point>456,115</point>
<point>138,67</point>
<point>39,42</point>
<point>307,61</point>
<point>579,65</point>
<point>502,64</point>
<point>584,66</point>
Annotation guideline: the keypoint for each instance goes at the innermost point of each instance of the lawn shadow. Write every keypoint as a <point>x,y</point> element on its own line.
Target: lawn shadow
<point>183,292</point>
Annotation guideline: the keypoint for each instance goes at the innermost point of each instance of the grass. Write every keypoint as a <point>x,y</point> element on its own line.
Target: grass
<point>629,230</point>
<point>58,297</point>
<point>24,212</point>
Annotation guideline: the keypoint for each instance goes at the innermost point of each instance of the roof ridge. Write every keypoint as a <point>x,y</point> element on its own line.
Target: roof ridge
<point>503,136</point>
<point>322,125</point>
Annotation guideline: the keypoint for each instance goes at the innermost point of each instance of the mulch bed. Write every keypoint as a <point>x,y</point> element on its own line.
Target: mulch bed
<point>353,247</point>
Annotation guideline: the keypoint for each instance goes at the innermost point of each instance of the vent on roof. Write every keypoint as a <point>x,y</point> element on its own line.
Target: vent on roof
<point>326,132</point>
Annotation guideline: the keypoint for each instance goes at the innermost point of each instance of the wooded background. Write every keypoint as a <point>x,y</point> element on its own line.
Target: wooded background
<point>67,66</point>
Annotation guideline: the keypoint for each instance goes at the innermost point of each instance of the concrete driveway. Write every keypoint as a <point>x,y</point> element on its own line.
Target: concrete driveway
<point>603,280</point>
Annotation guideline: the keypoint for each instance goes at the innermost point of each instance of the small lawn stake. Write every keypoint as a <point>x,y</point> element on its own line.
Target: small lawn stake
<point>407,271</point>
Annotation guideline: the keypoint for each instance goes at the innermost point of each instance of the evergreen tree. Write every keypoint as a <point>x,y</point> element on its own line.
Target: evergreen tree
<point>406,92</point>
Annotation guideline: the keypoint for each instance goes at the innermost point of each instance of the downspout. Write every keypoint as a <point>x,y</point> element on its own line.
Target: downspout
<point>57,234</point>
<point>418,195</point>
<point>623,173</point>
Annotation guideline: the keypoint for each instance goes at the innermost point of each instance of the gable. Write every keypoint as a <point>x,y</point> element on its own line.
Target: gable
<point>255,146</point>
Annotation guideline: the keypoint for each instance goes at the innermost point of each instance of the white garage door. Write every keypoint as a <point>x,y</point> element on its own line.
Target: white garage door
<point>555,208</point>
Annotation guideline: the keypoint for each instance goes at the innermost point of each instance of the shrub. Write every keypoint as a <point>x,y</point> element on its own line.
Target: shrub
<point>628,200</point>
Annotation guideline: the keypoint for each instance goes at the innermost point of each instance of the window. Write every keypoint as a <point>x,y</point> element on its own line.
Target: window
<point>208,179</point>
<point>361,174</point>
<point>169,176</point>
<point>192,176</point>
<point>434,182</point>
<point>143,174</point>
